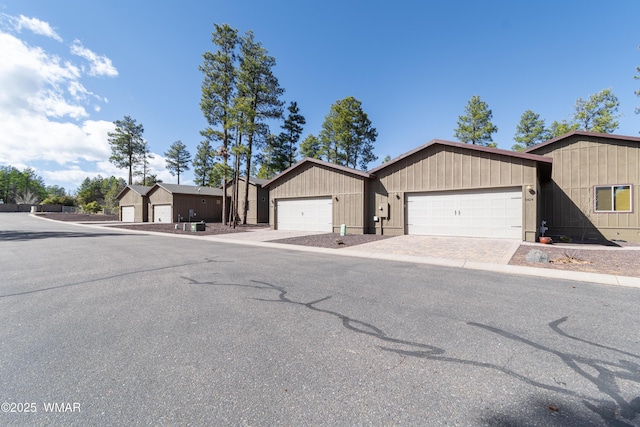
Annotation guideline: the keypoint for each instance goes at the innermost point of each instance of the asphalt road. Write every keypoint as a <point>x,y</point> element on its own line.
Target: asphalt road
<point>128,329</point>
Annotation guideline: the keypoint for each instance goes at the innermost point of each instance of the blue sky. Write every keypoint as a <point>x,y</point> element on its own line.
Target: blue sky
<point>68,69</point>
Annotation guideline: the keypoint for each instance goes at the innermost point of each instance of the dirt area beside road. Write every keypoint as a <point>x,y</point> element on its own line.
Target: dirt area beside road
<point>168,227</point>
<point>615,261</point>
<point>331,240</point>
<point>77,217</point>
<point>210,229</point>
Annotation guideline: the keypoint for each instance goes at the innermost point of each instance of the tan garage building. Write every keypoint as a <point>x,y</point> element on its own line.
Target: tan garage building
<point>314,195</point>
<point>133,203</point>
<point>453,189</point>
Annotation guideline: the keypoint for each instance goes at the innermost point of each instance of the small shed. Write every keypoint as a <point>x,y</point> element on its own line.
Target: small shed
<point>258,200</point>
<point>133,203</point>
<point>183,203</point>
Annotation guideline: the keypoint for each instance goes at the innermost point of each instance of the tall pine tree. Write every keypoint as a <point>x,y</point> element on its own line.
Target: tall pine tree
<point>178,158</point>
<point>530,131</point>
<point>347,135</point>
<point>218,94</point>
<point>259,100</point>
<point>203,163</point>
<point>127,145</point>
<point>475,127</point>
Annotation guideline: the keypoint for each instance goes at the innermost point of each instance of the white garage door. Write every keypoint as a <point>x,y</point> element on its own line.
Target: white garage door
<point>481,213</point>
<point>305,214</point>
<point>162,213</point>
<point>128,214</point>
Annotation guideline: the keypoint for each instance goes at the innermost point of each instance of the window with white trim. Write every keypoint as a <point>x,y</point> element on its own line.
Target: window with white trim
<point>612,198</point>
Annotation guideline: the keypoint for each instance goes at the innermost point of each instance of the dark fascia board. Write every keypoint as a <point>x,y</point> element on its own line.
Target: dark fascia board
<point>142,190</point>
<point>480,148</point>
<point>585,134</point>
<point>307,160</point>
<point>187,189</point>
<point>258,182</point>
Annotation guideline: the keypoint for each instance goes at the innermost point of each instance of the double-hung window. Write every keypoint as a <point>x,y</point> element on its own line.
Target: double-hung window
<point>612,198</point>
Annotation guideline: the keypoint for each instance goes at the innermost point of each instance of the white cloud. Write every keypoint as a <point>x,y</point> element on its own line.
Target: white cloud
<point>35,81</point>
<point>100,65</point>
<point>26,138</point>
<point>44,107</point>
<point>74,175</point>
<point>37,26</point>
<point>71,177</point>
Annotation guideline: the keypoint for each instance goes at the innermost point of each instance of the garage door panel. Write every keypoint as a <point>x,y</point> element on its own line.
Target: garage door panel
<point>480,213</point>
<point>128,214</point>
<point>162,213</point>
<point>305,214</point>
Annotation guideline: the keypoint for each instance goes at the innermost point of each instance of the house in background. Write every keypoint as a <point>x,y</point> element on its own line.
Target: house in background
<point>133,203</point>
<point>592,192</point>
<point>258,200</point>
<point>182,203</point>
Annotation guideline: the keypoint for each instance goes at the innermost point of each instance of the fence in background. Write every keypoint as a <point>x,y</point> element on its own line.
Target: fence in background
<point>14,207</point>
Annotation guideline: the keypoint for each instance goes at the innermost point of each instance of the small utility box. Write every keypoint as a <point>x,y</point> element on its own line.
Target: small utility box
<point>198,226</point>
<point>383,210</point>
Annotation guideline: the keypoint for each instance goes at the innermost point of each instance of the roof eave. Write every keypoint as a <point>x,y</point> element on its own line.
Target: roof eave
<point>462,145</point>
<point>306,160</point>
<point>582,133</point>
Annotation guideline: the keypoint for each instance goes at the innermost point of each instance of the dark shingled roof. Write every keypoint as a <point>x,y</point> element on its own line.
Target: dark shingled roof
<point>140,189</point>
<point>190,189</point>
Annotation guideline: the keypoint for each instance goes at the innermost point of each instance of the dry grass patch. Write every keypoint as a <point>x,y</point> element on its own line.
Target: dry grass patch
<point>570,257</point>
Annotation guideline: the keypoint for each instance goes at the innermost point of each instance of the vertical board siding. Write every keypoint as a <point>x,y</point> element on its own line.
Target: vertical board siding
<point>317,181</point>
<point>582,162</point>
<point>131,198</point>
<point>439,168</point>
<point>160,197</point>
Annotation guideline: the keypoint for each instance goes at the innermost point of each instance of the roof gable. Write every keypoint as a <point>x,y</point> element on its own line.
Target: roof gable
<point>464,146</point>
<point>140,189</point>
<point>566,136</point>
<point>309,160</point>
<point>258,182</point>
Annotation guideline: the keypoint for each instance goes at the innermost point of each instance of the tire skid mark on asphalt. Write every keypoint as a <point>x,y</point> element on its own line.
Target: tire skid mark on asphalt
<point>100,279</point>
<point>605,381</point>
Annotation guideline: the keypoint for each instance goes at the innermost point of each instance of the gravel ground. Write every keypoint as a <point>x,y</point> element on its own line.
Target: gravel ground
<point>610,261</point>
<point>211,228</point>
<point>332,240</point>
<point>78,217</point>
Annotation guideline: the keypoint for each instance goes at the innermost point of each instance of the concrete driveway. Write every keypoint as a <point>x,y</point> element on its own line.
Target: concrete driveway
<point>493,251</point>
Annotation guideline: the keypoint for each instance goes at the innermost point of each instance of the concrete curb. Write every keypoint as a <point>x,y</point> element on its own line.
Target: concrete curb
<point>603,279</point>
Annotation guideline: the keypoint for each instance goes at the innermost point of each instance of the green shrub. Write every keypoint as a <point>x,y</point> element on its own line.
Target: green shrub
<point>59,200</point>
<point>92,207</point>
<point>565,239</point>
